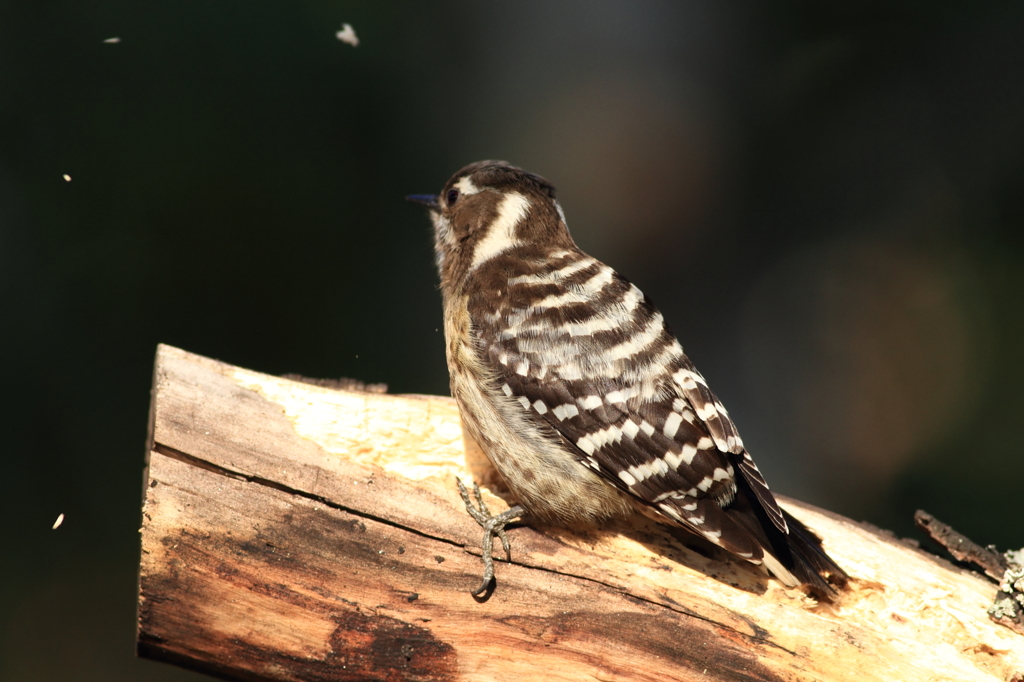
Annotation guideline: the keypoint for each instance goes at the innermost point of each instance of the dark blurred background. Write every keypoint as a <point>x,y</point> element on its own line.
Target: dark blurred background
<point>825,199</point>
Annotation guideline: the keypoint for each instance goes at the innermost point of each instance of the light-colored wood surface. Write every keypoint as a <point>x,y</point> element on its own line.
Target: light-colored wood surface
<point>292,532</point>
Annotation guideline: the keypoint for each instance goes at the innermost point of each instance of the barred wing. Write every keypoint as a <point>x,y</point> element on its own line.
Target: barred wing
<point>587,353</point>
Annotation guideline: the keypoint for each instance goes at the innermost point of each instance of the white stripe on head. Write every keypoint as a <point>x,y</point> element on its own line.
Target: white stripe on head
<point>466,187</point>
<point>501,235</point>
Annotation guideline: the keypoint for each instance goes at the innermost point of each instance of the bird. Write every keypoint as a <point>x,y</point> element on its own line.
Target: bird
<point>580,395</point>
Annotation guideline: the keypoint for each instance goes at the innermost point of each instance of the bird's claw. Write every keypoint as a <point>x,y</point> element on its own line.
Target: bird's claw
<point>493,526</point>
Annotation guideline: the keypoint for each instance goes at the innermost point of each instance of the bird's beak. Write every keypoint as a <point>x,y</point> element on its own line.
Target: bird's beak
<point>428,200</point>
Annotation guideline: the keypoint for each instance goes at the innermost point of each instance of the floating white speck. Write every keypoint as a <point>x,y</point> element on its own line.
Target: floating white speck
<point>112,41</point>
<point>347,34</point>
<point>60,520</point>
<point>67,178</point>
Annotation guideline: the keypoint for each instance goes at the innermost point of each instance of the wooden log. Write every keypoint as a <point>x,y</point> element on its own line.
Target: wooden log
<point>295,532</point>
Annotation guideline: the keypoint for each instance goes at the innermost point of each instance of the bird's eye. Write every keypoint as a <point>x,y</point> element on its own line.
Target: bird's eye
<point>453,196</point>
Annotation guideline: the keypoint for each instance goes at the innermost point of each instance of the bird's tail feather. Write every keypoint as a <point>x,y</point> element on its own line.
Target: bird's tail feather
<point>808,561</point>
<point>797,553</point>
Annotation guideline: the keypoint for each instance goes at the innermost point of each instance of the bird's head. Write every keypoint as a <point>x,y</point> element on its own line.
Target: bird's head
<point>491,209</point>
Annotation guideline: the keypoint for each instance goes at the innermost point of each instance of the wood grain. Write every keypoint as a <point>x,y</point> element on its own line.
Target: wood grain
<point>294,532</point>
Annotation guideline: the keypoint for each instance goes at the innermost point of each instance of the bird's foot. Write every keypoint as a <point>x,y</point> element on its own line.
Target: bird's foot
<point>493,526</point>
